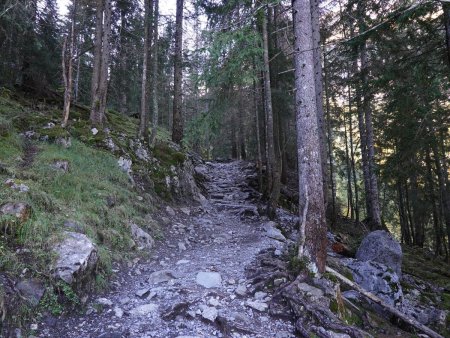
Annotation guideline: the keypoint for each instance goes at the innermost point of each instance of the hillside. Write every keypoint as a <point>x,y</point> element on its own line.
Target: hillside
<point>162,224</point>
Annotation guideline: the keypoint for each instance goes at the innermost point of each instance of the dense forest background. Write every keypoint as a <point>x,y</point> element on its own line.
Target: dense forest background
<point>385,68</point>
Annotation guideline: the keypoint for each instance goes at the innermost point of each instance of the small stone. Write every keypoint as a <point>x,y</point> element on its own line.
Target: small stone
<point>142,293</point>
<point>104,302</point>
<point>94,131</point>
<point>214,302</point>
<point>241,290</point>
<point>181,246</point>
<point>185,211</point>
<point>260,295</point>
<point>182,261</point>
<point>118,312</point>
<point>170,211</point>
<point>257,305</point>
<point>143,310</point>
<point>33,327</point>
<point>278,281</point>
<point>210,313</point>
<point>209,279</point>
<point>161,276</point>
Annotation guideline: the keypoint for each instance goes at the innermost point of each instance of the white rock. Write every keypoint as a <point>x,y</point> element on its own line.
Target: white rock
<point>214,302</point>
<point>260,295</point>
<point>257,305</point>
<point>181,246</point>
<point>161,276</point>
<point>94,131</point>
<point>142,292</point>
<point>185,211</point>
<point>118,312</point>
<point>209,279</point>
<point>210,313</point>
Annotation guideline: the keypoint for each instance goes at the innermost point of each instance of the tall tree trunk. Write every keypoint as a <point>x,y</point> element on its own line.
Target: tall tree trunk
<point>96,70</point>
<point>315,22</point>
<point>312,241</point>
<point>144,118</point>
<point>446,10</point>
<point>406,236</point>
<point>68,70</point>
<point>349,177</point>
<point>444,196</point>
<point>155,73</point>
<point>352,155</point>
<point>177,126</point>
<point>258,133</point>
<point>123,65</point>
<point>101,62</point>
<point>273,172</point>
<point>431,196</point>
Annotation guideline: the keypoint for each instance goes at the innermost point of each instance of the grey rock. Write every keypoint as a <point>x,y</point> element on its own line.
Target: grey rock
<point>210,313</point>
<point>143,239</point>
<point>161,276</point>
<point>61,165</point>
<point>209,279</point>
<point>77,258</point>
<point>260,295</point>
<point>144,310</point>
<point>32,290</point>
<point>241,290</point>
<point>378,279</point>
<point>181,246</point>
<point>20,210</point>
<point>170,211</point>
<point>142,293</point>
<point>257,305</point>
<point>379,246</point>
<point>104,302</point>
<point>65,142</point>
<point>118,312</point>
<point>125,164</point>
<point>273,232</point>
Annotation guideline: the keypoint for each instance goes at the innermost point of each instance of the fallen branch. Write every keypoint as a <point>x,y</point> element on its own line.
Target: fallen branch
<point>388,307</point>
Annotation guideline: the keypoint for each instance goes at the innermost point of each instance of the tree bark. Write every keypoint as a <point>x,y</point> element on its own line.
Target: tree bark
<point>144,119</point>
<point>101,62</point>
<point>273,172</point>
<point>68,70</point>
<point>155,73</point>
<point>177,126</point>
<point>315,23</point>
<point>312,241</point>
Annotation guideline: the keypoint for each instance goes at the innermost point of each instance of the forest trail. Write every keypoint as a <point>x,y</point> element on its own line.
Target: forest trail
<point>162,296</point>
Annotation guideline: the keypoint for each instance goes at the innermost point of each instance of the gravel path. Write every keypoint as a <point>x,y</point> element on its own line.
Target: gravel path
<point>193,284</point>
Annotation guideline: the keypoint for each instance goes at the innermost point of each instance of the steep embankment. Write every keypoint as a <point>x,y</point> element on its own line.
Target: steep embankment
<point>75,195</point>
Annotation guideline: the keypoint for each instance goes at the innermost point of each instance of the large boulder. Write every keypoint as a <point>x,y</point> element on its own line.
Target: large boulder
<point>377,279</point>
<point>77,258</point>
<point>379,246</point>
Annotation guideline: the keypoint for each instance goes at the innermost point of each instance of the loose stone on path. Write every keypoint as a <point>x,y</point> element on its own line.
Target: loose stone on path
<point>209,279</point>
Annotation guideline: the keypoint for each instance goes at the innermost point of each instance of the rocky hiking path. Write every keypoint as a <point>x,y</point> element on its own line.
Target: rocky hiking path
<point>193,284</point>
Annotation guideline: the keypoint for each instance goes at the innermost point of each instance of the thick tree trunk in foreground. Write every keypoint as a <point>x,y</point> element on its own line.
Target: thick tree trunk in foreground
<point>273,172</point>
<point>312,242</point>
<point>101,62</point>
<point>177,127</point>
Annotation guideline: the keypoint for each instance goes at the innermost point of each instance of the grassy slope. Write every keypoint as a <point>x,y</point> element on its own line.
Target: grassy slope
<point>79,195</point>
